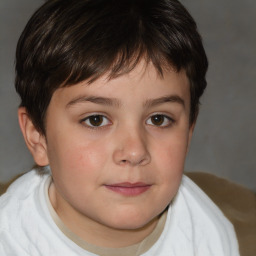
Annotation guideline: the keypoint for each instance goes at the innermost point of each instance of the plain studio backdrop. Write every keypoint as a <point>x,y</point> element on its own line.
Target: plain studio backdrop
<point>224,142</point>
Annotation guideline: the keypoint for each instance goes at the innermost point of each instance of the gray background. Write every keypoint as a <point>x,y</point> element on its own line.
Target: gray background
<point>224,141</point>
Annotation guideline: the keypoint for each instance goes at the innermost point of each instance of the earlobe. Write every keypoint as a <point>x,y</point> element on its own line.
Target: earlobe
<point>35,141</point>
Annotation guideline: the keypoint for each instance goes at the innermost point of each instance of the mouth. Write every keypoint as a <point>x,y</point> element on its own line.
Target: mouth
<point>129,189</point>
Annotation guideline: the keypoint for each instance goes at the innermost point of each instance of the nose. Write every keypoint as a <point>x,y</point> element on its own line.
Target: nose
<point>131,149</point>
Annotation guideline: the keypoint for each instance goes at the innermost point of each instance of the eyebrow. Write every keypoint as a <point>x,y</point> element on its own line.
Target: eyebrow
<point>96,100</point>
<point>165,99</point>
<point>117,103</point>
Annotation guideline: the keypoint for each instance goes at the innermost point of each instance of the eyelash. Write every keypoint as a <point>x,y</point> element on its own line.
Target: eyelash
<point>167,121</point>
<point>104,120</point>
<point>170,121</point>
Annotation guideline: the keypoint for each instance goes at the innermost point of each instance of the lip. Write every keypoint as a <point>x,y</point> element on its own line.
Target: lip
<point>129,189</point>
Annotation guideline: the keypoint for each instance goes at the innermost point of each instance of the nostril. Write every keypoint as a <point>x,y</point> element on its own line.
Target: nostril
<point>131,154</point>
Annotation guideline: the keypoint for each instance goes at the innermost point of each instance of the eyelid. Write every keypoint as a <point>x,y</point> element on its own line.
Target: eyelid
<point>171,120</point>
<point>82,121</point>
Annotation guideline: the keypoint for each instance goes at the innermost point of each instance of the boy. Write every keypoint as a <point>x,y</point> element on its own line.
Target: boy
<point>109,98</point>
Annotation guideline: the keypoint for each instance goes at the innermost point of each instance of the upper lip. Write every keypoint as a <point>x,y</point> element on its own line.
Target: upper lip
<point>129,184</point>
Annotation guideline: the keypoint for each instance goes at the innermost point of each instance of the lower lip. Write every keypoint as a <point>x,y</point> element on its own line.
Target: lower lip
<point>129,191</point>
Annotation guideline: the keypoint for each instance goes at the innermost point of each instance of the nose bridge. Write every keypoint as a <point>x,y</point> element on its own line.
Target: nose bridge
<point>131,146</point>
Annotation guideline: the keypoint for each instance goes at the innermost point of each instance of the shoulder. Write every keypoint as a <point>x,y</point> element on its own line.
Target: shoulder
<point>20,211</point>
<point>204,211</point>
<point>19,197</point>
<point>196,226</point>
<point>237,203</point>
<point>22,185</point>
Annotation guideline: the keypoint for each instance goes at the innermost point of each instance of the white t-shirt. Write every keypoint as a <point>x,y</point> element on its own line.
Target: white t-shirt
<point>193,225</point>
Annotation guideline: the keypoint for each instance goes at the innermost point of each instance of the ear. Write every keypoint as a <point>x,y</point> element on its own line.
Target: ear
<point>36,142</point>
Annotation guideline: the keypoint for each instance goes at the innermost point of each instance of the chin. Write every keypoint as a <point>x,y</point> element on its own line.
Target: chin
<point>131,222</point>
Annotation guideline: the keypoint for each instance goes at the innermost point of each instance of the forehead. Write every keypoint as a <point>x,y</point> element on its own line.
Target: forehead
<point>142,83</point>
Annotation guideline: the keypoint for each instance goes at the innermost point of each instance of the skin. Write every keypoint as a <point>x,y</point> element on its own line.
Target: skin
<point>142,134</point>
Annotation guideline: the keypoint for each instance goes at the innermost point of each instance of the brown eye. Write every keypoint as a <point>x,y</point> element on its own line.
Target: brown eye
<point>96,121</point>
<point>159,120</point>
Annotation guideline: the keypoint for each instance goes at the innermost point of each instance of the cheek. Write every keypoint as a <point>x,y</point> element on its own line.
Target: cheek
<point>87,158</point>
<point>77,168</point>
<point>76,155</point>
<point>170,158</point>
<point>172,151</point>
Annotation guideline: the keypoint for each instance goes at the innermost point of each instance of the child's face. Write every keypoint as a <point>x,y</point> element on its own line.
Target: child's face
<point>117,148</point>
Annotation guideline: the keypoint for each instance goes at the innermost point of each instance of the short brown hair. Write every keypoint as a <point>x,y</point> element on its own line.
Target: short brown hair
<point>68,41</point>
